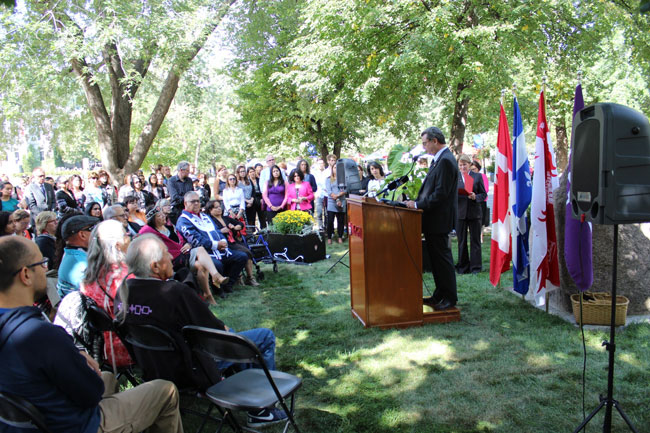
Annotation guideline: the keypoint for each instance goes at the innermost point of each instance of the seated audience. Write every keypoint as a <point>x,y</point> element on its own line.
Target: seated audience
<point>199,230</point>
<point>21,221</point>
<point>75,232</point>
<point>104,274</point>
<point>183,254</point>
<point>136,216</point>
<point>46,224</point>
<point>116,212</point>
<point>41,364</point>
<point>231,228</point>
<point>7,225</point>
<point>171,305</point>
<point>94,209</point>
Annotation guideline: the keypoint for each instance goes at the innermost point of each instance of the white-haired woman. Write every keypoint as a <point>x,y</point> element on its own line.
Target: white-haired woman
<point>105,272</point>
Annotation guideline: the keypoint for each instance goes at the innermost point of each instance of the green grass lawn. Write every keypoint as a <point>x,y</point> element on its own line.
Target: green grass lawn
<point>505,367</point>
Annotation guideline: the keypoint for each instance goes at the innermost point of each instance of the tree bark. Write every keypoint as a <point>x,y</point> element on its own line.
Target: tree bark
<point>113,132</point>
<point>562,145</point>
<point>459,121</point>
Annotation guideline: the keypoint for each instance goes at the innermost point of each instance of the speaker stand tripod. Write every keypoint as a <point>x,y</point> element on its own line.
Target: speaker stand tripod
<point>609,402</point>
<point>339,261</point>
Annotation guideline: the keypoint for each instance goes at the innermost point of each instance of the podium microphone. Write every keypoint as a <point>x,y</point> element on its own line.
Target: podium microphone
<point>392,186</point>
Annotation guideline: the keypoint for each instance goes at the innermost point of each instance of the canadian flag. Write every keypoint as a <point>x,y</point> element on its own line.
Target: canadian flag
<point>544,267</point>
<point>500,247</point>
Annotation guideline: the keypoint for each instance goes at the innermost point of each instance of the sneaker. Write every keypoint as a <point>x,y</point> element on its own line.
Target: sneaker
<point>265,417</point>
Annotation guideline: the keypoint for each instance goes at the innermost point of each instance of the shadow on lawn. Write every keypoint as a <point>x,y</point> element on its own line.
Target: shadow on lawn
<point>505,367</point>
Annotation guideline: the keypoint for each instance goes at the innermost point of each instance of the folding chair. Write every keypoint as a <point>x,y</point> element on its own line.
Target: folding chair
<point>153,338</point>
<point>17,412</point>
<point>99,319</point>
<point>250,389</point>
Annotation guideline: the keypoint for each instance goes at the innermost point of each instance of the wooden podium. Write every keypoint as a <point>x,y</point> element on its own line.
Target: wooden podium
<point>386,266</point>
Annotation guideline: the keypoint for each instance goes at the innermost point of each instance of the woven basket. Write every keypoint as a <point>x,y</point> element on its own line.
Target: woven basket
<point>597,308</point>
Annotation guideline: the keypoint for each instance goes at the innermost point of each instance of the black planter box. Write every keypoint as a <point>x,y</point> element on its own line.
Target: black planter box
<point>310,246</point>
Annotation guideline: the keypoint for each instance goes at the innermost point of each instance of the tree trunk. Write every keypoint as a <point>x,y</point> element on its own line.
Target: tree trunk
<point>459,121</point>
<point>113,132</point>
<point>196,154</point>
<point>562,145</point>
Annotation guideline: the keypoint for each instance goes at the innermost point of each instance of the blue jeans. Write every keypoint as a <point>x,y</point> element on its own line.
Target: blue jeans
<point>264,339</point>
<point>231,266</point>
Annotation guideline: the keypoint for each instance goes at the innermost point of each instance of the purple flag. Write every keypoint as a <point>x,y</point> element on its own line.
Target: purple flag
<point>577,234</point>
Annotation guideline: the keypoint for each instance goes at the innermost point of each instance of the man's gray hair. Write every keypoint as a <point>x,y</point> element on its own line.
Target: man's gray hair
<point>103,250</point>
<point>183,165</point>
<point>143,251</point>
<point>433,132</point>
<point>162,203</point>
<point>110,212</point>
<point>188,195</point>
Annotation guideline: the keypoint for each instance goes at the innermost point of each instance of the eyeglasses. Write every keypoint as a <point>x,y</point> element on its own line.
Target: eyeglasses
<point>194,201</point>
<point>122,215</point>
<point>269,160</point>
<point>231,178</point>
<point>43,263</point>
<point>50,221</point>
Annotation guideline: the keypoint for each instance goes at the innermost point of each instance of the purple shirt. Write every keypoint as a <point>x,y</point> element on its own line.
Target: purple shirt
<point>276,194</point>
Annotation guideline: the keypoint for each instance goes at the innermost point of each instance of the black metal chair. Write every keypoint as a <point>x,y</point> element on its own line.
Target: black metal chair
<point>100,320</point>
<point>250,389</point>
<point>156,339</point>
<point>17,412</point>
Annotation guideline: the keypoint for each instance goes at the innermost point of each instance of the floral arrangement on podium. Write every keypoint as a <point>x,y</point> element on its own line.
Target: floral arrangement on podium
<point>292,233</point>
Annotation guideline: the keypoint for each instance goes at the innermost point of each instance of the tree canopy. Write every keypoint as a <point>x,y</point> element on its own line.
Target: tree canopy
<point>103,79</point>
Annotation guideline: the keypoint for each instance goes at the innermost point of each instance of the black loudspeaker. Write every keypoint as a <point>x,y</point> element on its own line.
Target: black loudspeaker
<point>610,165</point>
<point>347,174</point>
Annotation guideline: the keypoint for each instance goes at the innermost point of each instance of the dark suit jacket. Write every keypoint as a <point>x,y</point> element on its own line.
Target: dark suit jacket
<point>471,209</point>
<point>36,201</point>
<point>438,195</point>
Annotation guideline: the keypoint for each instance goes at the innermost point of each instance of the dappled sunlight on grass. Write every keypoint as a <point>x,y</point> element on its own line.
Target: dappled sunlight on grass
<point>506,367</point>
<point>539,360</point>
<point>481,345</point>
<point>395,417</point>
<point>299,336</point>
<point>313,369</point>
<point>630,359</point>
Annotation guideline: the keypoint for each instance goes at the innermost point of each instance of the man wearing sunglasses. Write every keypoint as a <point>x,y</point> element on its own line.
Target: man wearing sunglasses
<point>75,231</point>
<point>41,364</point>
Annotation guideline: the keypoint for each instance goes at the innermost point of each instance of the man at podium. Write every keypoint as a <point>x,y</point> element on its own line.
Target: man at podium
<point>438,198</point>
